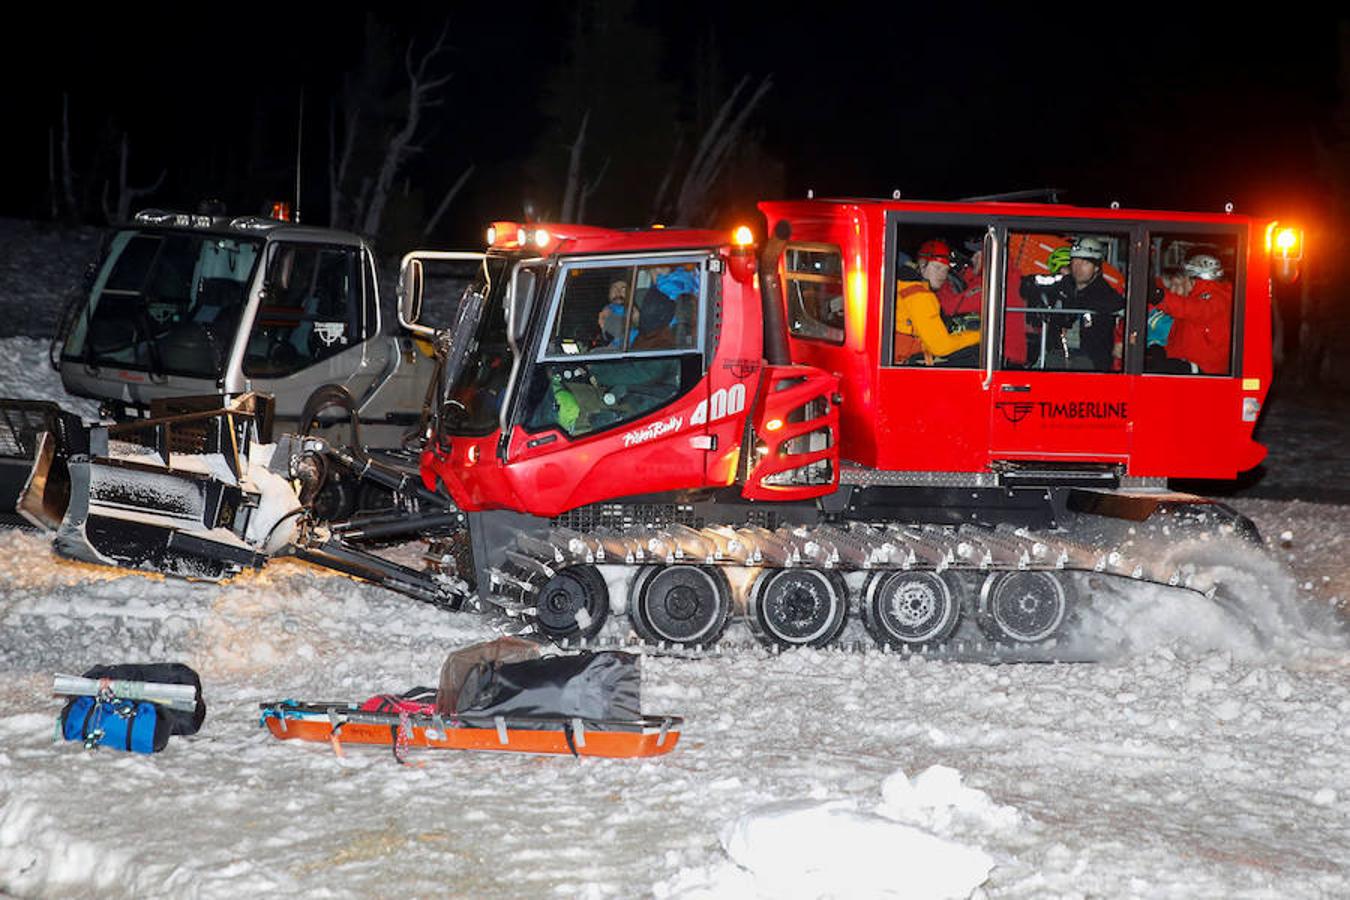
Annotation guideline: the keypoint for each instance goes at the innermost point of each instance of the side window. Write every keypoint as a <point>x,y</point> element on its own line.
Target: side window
<point>1064,306</point>
<point>623,341</point>
<point>939,292</point>
<point>311,309</point>
<point>814,284</point>
<point>1190,312</point>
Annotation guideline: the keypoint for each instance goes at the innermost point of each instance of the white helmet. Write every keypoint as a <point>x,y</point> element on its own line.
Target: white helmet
<point>1088,248</point>
<point>1204,267</point>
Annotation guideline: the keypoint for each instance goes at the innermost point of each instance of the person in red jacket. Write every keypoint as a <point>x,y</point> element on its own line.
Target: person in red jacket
<point>1201,306</point>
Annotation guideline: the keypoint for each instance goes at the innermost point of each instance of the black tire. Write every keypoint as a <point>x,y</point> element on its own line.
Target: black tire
<point>1024,607</point>
<point>910,610</point>
<point>684,605</point>
<point>573,590</point>
<point>798,607</point>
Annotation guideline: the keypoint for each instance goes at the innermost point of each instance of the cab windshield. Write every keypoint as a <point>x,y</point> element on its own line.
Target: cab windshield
<point>477,356</point>
<point>164,302</point>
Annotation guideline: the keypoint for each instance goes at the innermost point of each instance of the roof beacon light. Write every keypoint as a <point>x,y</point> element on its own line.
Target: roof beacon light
<point>743,236</point>
<point>1285,246</point>
<point>1289,243</point>
<point>491,235</point>
<point>541,238</point>
<point>1284,241</point>
<point>521,237</point>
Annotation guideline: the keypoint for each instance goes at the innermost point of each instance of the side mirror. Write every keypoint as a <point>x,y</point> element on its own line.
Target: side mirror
<point>413,284</point>
<point>410,293</point>
<point>520,302</point>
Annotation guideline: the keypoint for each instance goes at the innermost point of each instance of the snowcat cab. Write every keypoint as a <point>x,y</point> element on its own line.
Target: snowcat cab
<point>590,364</point>
<point>184,305</point>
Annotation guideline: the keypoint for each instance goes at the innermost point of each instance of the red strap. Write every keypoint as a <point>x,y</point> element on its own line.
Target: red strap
<point>392,704</point>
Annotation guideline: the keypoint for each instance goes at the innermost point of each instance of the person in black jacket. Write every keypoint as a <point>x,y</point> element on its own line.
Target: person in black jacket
<point>1085,297</point>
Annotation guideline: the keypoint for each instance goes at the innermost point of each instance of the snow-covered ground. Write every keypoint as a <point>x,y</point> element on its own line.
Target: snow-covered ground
<point>1200,765</point>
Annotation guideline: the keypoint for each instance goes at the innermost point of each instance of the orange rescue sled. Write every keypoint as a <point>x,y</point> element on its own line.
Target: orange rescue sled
<point>340,723</point>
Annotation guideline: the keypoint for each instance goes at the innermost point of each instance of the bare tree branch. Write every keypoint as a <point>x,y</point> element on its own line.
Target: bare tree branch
<point>53,197</point>
<point>67,176</point>
<point>126,194</point>
<point>719,140</point>
<point>401,146</point>
<point>588,188</point>
<point>659,200</point>
<point>445,201</point>
<point>572,191</point>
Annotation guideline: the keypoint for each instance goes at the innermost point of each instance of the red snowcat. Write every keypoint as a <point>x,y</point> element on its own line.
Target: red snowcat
<point>955,422</point>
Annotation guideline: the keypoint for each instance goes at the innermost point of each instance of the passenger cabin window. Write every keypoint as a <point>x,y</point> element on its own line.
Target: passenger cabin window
<point>939,292</point>
<point>815,291</point>
<point>1190,311</point>
<point>622,341</point>
<point>1064,304</point>
<point>311,309</point>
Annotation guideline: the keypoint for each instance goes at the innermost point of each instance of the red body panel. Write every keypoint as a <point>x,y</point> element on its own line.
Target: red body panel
<point>952,420</point>
<point>795,410</point>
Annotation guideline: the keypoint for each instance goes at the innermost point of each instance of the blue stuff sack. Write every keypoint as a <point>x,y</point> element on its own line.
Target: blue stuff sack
<point>136,726</point>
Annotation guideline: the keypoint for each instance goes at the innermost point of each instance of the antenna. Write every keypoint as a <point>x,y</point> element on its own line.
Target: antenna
<point>299,144</point>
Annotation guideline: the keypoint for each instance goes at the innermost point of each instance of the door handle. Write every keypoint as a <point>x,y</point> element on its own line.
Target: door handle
<point>1016,388</point>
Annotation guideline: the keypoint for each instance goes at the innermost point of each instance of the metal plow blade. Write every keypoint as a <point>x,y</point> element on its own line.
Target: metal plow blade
<point>35,439</point>
<point>119,495</point>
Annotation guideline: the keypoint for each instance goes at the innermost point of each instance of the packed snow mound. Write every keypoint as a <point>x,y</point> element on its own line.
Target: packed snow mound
<point>808,849</point>
<point>915,843</point>
<point>936,800</point>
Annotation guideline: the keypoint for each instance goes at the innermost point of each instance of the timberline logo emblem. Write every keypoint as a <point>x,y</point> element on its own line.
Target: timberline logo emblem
<point>1016,411</point>
<point>741,368</point>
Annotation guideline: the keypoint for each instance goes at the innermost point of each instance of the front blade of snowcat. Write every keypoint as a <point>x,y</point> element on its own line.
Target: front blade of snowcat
<point>36,438</point>
<point>149,517</point>
<point>117,495</point>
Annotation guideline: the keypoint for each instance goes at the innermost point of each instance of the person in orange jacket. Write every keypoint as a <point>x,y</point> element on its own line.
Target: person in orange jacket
<point>920,334</point>
<point>1201,306</point>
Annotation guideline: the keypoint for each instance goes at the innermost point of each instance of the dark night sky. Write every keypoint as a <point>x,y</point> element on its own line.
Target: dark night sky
<point>1176,108</point>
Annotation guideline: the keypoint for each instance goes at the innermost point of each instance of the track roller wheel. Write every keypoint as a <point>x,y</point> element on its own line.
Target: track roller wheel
<point>680,604</point>
<point>573,604</point>
<point>798,607</point>
<point>1023,607</point>
<point>910,609</point>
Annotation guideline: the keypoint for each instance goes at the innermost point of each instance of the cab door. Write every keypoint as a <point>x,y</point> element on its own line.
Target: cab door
<point>614,399</point>
<point>1057,383</point>
<point>930,410</point>
<point>315,311</point>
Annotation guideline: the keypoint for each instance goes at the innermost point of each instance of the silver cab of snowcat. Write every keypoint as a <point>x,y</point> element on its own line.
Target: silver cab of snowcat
<point>185,305</point>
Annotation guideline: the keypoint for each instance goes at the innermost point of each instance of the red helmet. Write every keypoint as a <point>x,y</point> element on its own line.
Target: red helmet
<point>935,251</point>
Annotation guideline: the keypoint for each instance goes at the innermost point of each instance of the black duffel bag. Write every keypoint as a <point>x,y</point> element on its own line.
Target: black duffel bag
<point>590,686</point>
<point>139,725</point>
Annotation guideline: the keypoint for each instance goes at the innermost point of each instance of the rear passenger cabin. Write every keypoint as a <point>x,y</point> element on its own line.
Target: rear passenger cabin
<point>987,344</point>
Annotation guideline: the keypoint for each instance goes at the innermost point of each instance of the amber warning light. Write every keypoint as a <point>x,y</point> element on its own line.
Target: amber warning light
<point>1285,246</point>
<point>742,254</point>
